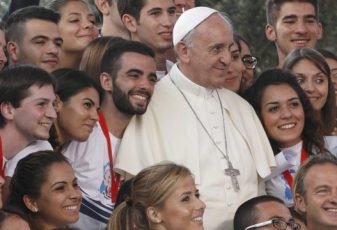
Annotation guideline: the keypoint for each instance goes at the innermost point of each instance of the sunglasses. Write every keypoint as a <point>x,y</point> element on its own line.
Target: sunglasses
<point>249,61</point>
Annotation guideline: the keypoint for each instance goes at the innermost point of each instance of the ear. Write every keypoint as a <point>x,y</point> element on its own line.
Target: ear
<point>320,31</point>
<point>182,52</point>
<point>13,51</point>
<point>103,6</point>
<point>7,110</point>
<point>130,23</point>
<point>270,33</point>
<point>154,215</point>
<point>106,81</point>
<point>58,104</point>
<point>299,203</point>
<point>30,203</point>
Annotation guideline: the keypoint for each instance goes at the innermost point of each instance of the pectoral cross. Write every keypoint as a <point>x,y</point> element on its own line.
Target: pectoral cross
<point>233,173</point>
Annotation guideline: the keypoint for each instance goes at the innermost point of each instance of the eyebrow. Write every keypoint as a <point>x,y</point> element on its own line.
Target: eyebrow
<point>135,70</point>
<point>79,14</point>
<point>277,102</point>
<point>40,37</point>
<point>154,9</point>
<point>89,99</point>
<point>294,16</point>
<point>62,183</point>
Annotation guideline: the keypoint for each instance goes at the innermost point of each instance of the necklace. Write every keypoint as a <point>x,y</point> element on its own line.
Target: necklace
<point>230,171</point>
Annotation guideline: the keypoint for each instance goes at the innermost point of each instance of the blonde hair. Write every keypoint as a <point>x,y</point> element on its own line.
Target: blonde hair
<point>93,54</point>
<point>150,188</point>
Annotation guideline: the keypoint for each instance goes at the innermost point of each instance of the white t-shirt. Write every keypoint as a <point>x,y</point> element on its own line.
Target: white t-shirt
<point>31,148</point>
<point>90,161</point>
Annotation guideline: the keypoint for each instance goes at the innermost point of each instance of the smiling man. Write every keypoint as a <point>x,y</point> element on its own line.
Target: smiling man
<point>26,114</point>
<point>33,38</point>
<point>151,22</point>
<point>315,188</point>
<point>292,24</point>
<point>128,77</point>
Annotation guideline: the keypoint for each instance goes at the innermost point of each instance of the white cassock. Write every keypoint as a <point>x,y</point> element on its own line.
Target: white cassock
<point>170,131</point>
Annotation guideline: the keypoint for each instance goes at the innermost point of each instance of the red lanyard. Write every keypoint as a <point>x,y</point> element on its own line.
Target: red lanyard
<point>1,159</point>
<point>115,178</point>
<point>287,175</point>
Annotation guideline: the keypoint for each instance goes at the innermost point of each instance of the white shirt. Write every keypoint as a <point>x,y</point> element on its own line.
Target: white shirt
<point>35,146</point>
<point>276,184</point>
<point>90,161</point>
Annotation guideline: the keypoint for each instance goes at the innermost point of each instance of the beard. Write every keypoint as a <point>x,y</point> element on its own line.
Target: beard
<point>123,103</point>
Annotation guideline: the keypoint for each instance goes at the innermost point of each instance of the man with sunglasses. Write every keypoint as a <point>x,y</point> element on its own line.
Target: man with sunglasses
<point>265,212</point>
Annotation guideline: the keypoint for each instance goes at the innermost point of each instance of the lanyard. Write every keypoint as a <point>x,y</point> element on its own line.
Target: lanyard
<point>287,175</point>
<point>115,178</point>
<point>1,159</point>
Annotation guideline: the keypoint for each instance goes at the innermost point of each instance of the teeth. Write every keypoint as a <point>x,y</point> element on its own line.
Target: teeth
<point>140,97</point>
<point>332,209</point>
<point>287,126</point>
<point>197,219</point>
<point>45,124</point>
<point>71,207</point>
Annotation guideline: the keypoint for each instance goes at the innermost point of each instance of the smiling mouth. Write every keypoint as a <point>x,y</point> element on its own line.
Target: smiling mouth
<point>197,220</point>
<point>45,124</point>
<point>287,126</point>
<point>332,210</point>
<point>300,42</point>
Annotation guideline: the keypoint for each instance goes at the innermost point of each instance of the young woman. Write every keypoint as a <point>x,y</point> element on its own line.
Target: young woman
<point>77,28</point>
<point>234,76</point>
<point>241,70</point>
<point>249,62</point>
<point>78,98</point>
<point>162,197</point>
<point>313,74</point>
<point>93,54</point>
<point>331,59</point>
<point>44,191</point>
<point>288,118</point>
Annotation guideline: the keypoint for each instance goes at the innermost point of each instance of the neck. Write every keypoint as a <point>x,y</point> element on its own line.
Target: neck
<point>115,119</point>
<point>9,147</point>
<point>61,138</point>
<point>161,61</point>
<point>70,59</point>
<point>281,58</point>
<point>115,31</point>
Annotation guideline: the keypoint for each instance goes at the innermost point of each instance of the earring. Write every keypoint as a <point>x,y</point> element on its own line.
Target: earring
<point>35,209</point>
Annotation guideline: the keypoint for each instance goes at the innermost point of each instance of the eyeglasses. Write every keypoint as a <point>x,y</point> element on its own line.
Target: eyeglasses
<point>249,61</point>
<point>278,224</point>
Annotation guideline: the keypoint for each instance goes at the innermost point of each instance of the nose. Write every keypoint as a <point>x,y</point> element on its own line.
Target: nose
<point>87,24</point>
<point>75,193</point>
<point>53,48</point>
<point>168,19</point>
<point>308,87</point>
<point>285,112</point>
<point>301,27</point>
<point>146,84</point>
<point>226,57</point>
<point>94,114</point>
<point>51,112</point>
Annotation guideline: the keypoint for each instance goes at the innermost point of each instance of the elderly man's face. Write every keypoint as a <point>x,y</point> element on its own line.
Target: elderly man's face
<point>208,57</point>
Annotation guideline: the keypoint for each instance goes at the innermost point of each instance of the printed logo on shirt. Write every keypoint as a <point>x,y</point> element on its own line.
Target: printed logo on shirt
<point>105,187</point>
